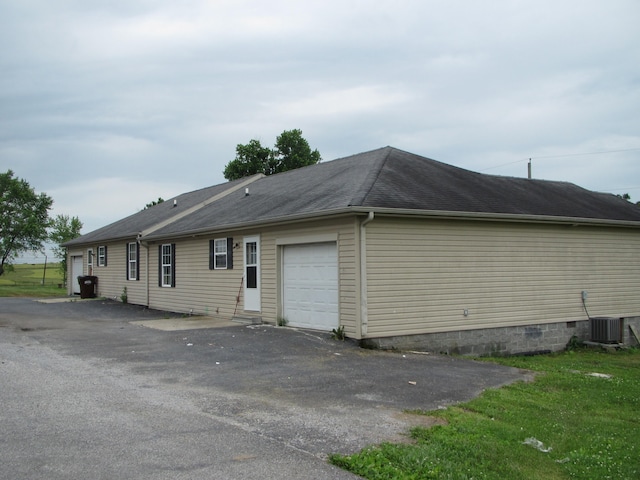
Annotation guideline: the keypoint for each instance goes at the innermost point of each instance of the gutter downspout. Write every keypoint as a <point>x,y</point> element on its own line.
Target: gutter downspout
<point>144,244</point>
<point>364,321</point>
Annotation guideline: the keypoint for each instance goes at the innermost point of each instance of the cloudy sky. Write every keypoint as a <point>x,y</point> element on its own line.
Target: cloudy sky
<point>108,105</point>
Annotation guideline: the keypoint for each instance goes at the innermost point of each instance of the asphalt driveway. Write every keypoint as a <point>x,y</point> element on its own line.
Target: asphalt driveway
<point>301,391</point>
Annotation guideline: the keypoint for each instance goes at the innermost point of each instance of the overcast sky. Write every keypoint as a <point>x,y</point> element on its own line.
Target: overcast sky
<point>106,106</point>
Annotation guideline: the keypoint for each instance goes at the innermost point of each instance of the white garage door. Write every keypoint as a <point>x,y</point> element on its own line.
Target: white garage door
<point>310,285</point>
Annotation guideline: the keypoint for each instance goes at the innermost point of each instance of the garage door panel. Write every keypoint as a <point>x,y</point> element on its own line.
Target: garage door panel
<point>310,285</point>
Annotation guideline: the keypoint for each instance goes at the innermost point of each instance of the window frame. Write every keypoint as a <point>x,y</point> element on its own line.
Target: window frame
<point>133,263</point>
<point>220,254</point>
<point>102,255</point>
<point>215,254</point>
<point>167,265</point>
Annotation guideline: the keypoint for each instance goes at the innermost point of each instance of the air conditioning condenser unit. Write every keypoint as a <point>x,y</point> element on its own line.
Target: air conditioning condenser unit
<point>605,329</point>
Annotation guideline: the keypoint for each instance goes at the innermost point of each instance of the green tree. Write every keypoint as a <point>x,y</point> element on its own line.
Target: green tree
<point>290,151</point>
<point>627,197</point>
<point>153,203</point>
<point>64,229</point>
<point>24,218</point>
<point>250,159</point>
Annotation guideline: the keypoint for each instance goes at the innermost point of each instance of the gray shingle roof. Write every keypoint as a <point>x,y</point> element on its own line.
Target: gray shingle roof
<point>386,178</point>
<point>130,226</point>
<point>409,181</point>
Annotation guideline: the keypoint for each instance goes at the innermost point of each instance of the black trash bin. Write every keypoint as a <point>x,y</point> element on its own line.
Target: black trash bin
<point>88,284</point>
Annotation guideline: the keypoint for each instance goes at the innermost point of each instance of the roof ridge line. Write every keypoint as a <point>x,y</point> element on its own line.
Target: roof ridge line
<point>200,205</point>
<point>375,176</point>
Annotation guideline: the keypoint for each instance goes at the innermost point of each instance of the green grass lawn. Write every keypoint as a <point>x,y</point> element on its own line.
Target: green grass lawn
<point>26,280</point>
<point>567,424</point>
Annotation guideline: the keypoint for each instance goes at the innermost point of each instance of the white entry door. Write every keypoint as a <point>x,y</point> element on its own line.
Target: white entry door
<point>76,271</point>
<point>310,286</point>
<point>252,273</point>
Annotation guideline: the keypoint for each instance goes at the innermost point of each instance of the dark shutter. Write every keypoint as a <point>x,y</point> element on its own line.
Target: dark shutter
<point>126,263</point>
<point>160,265</point>
<point>173,264</point>
<point>229,253</point>
<point>212,254</point>
<point>105,255</point>
<point>137,261</point>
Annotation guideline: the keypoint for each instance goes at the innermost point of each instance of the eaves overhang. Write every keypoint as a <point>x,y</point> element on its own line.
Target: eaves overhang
<point>499,217</point>
<point>252,225</point>
<point>75,243</point>
<point>394,212</point>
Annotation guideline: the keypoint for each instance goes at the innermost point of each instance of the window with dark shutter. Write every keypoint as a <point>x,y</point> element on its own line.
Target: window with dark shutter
<point>166,265</point>
<point>102,256</point>
<point>221,254</point>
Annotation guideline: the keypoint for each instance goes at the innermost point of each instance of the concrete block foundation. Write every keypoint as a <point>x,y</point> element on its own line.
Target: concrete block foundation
<point>520,340</point>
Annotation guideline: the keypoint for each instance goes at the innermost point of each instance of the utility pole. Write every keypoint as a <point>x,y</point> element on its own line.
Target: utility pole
<point>44,272</point>
<point>529,168</point>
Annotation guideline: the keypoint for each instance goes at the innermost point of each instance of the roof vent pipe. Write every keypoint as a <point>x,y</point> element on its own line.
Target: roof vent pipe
<point>175,202</point>
<point>246,191</point>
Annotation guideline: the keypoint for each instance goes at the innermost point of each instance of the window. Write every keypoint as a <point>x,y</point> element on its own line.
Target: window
<point>102,256</point>
<point>221,254</point>
<point>132,261</point>
<point>251,264</point>
<point>167,257</point>
<point>90,261</point>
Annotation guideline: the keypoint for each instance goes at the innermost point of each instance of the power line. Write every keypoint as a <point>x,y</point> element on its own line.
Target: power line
<point>504,165</point>
<point>587,153</point>
<point>625,189</point>
<point>560,156</point>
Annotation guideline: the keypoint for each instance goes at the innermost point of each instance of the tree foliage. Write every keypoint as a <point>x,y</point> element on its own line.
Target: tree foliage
<point>250,159</point>
<point>627,197</point>
<point>154,203</point>
<point>64,229</point>
<point>24,218</point>
<point>291,151</point>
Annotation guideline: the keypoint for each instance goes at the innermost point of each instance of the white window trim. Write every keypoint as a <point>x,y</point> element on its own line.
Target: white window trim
<point>167,274</point>
<point>102,250</point>
<point>220,254</point>
<point>132,264</point>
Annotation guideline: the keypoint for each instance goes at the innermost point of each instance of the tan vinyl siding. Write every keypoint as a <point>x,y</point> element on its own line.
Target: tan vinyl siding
<point>136,289</point>
<point>423,274</point>
<point>198,289</point>
<point>112,277</point>
<point>214,292</point>
<point>344,230</point>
